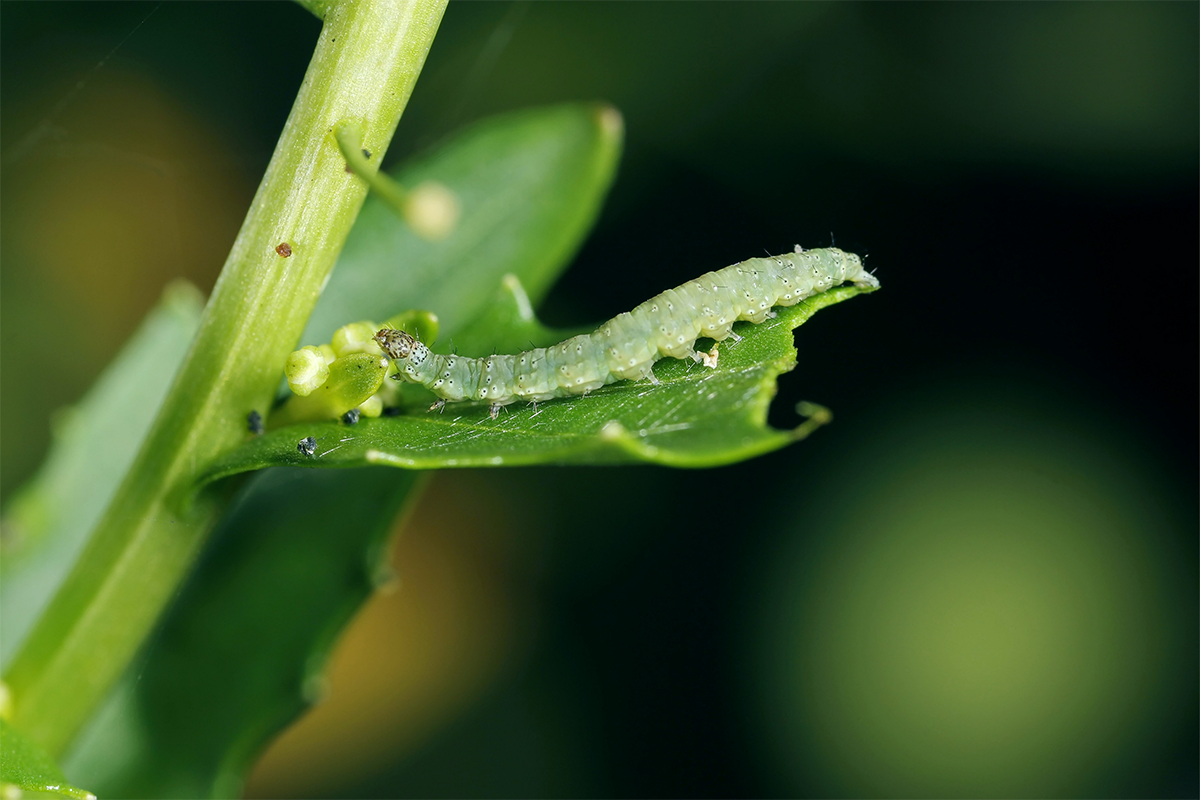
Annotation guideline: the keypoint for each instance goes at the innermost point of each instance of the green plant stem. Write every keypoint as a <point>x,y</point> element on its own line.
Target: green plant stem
<point>366,62</point>
<point>349,139</point>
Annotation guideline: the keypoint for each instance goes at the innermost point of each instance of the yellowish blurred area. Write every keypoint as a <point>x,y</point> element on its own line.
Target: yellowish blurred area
<point>985,608</point>
<point>416,656</point>
<point>108,199</point>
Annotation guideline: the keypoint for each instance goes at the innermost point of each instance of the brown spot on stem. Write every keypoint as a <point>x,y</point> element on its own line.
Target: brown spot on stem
<point>284,249</point>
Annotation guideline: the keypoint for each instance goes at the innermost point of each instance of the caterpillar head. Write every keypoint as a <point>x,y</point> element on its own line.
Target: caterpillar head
<point>400,346</point>
<point>859,274</point>
<point>853,269</point>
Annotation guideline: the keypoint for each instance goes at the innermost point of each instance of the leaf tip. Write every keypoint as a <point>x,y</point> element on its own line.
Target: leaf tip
<point>182,297</point>
<point>815,416</point>
<point>611,123</point>
<point>516,292</point>
<point>315,688</point>
<point>385,579</point>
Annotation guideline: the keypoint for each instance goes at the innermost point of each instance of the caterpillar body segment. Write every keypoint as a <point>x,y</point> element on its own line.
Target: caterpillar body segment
<point>627,346</point>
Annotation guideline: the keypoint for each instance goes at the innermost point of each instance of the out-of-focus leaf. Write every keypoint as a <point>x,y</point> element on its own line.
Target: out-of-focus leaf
<point>26,767</point>
<point>695,417</point>
<point>245,645</point>
<point>529,183</point>
<point>240,654</point>
<point>47,522</point>
<point>509,325</point>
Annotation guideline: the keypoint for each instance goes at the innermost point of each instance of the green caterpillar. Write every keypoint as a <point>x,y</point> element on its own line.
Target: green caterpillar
<point>626,347</point>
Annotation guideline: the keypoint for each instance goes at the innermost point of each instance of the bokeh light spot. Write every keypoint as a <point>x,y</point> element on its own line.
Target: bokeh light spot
<point>988,611</point>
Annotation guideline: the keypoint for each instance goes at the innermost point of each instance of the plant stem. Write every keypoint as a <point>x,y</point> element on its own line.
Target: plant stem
<point>386,188</point>
<point>366,62</point>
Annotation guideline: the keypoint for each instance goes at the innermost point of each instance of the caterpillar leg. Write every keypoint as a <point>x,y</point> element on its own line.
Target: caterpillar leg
<point>708,359</point>
<point>494,410</point>
<point>735,337</point>
<point>438,406</point>
<point>650,376</point>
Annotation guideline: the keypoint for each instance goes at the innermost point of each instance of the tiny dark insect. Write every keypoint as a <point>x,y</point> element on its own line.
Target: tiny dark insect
<point>351,417</point>
<point>366,154</point>
<point>284,249</point>
<point>254,423</point>
<point>307,446</point>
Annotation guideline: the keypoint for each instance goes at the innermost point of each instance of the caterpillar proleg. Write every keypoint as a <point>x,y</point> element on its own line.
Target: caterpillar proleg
<point>626,347</point>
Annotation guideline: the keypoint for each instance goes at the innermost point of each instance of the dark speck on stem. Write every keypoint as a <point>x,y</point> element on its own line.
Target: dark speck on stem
<point>284,249</point>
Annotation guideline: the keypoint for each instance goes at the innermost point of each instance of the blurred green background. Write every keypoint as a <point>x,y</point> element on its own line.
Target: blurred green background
<point>980,581</point>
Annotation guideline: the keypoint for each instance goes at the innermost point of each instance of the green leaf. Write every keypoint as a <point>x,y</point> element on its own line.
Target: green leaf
<point>352,379</point>
<point>241,653</point>
<point>509,325</point>
<point>695,417</point>
<point>47,522</point>
<point>25,766</point>
<point>530,184</point>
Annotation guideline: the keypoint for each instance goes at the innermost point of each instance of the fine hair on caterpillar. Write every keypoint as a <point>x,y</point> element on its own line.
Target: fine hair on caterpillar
<point>627,346</point>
